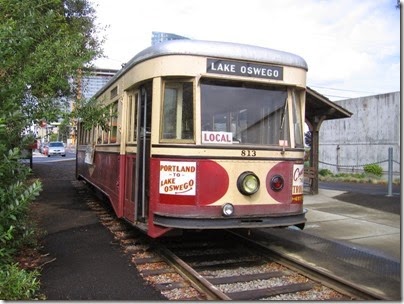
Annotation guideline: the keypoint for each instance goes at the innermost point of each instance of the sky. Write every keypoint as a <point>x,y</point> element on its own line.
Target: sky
<point>352,47</point>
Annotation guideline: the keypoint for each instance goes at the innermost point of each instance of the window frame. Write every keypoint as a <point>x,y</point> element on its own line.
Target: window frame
<point>177,83</point>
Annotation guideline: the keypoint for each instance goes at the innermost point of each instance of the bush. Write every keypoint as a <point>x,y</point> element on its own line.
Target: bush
<point>325,172</point>
<point>373,169</point>
<point>18,284</point>
<point>16,194</point>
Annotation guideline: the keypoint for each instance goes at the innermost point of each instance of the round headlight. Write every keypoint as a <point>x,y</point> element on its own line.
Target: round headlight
<point>248,183</point>
<point>227,209</point>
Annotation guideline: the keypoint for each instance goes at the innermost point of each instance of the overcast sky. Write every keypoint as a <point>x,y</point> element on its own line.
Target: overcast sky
<point>352,47</point>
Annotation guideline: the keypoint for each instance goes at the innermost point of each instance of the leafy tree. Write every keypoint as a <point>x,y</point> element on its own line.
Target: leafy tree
<point>93,113</point>
<point>44,44</point>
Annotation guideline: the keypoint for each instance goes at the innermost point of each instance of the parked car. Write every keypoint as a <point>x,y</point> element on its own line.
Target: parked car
<point>56,148</point>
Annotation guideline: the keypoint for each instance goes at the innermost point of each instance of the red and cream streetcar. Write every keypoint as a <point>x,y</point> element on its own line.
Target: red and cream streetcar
<point>209,135</point>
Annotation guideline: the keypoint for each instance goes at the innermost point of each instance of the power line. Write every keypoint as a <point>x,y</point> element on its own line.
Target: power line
<point>355,91</point>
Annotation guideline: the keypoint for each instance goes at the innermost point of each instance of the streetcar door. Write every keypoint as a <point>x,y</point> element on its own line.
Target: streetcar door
<point>143,154</point>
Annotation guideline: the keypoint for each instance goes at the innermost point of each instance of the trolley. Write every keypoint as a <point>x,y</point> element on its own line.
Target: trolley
<point>208,135</point>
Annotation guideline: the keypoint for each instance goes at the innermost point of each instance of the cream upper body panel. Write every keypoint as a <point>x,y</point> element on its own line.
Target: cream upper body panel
<point>190,58</point>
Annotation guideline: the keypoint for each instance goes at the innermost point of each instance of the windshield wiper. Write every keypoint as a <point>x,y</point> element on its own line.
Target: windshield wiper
<point>281,126</point>
<point>283,114</point>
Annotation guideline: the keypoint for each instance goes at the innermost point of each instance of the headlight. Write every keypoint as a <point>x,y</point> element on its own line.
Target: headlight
<point>248,183</point>
<point>227,209</point>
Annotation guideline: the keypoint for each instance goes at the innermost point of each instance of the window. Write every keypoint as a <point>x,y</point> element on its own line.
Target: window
<point>297,119</point>
<point>114,122</point>
<point>114,92</point>
<point>110,135</point>
<point>178,111</point>
<point>244,114</point>
<point>132,105</point>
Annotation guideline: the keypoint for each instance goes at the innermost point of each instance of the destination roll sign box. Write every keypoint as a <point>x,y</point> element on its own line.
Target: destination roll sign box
<point>248,69</point>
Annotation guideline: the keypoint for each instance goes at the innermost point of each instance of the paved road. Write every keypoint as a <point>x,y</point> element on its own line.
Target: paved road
<point>40,158</point>
<point>364,188</point>
<point>89,264</point>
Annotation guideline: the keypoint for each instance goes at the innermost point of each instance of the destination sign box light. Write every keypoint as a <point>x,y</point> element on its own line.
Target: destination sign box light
<point>248,69</point>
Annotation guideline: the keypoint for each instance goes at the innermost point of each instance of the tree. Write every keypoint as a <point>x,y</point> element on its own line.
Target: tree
<point>44,44</point>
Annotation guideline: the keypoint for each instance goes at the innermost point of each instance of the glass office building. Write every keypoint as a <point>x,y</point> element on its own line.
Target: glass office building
<point>158,37</point>
<point>95,80</point>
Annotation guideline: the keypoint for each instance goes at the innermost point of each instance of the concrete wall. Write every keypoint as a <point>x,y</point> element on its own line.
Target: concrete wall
<point>364,138</point>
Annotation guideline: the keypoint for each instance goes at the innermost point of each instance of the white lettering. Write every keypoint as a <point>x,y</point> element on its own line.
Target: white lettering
<point>224,67</point>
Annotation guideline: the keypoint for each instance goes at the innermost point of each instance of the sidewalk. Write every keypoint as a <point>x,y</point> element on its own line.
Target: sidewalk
<point>376,230</point>
<point>88,263</point>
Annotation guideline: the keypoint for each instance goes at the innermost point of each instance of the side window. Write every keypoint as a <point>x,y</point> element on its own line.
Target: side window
<point>132,105</point>
<point>114,122</point>
<point>178,111</point>
<point>110,136</point>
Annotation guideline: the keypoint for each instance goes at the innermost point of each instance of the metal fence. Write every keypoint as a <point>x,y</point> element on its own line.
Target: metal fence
<point>355,168</point>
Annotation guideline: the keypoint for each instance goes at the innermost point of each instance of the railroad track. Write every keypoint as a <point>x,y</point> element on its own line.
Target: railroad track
<point>221,266</point>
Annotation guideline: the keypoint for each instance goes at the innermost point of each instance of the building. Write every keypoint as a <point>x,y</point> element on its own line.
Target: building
<point>95,80</point>
<point>158,37</point>
<point>91,82</point>
<point>346,145</point>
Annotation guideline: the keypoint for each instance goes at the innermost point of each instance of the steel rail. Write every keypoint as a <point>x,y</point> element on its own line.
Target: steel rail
<point>197,280</point>
<point>316,274</point>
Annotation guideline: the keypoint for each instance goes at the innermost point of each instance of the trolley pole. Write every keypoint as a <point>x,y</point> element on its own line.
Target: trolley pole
<point>390,173</point>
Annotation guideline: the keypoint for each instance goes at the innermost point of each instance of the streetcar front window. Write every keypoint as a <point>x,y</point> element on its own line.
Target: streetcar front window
<point>297,119</point>
<point>244,114</point>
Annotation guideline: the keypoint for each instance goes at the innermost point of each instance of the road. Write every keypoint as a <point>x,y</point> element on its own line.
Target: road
<point>40,158</point>
<point>362,188</point>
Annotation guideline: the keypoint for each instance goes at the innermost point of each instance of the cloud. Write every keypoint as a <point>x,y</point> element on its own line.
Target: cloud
<point>342,41</point>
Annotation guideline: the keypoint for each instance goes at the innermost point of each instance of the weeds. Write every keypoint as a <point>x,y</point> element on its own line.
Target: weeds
<point>18,284</point>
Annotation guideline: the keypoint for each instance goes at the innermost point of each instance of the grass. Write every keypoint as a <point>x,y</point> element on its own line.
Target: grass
<point>328,176</point>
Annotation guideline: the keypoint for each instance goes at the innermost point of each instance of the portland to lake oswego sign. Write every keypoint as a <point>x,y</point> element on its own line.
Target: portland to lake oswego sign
<point>248,69</point>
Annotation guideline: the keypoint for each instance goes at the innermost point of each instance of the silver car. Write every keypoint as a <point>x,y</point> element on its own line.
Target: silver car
<point>56,148</point>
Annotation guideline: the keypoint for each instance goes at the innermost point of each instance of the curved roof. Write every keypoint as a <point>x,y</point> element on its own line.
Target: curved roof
<point>227,50</point>
<point>219,49</point>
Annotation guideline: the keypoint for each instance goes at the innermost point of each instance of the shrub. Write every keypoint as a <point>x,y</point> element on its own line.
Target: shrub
<point>373,169</point>
<point>18,284</point>
<point>325,172</point>
<point>16,194</point>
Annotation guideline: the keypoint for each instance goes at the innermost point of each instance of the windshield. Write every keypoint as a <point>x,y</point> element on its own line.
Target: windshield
<point>236,113</point>
<point>55,144</point>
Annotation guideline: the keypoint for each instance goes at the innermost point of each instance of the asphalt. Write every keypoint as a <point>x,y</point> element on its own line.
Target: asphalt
<point>89,265</point>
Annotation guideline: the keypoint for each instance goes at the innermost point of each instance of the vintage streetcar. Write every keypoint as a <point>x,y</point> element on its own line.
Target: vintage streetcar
<point>202,135</point>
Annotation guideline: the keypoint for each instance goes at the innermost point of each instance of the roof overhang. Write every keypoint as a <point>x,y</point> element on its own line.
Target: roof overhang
<point>320,106</point>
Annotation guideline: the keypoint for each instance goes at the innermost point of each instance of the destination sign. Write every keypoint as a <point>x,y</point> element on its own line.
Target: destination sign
<point>228,67</point>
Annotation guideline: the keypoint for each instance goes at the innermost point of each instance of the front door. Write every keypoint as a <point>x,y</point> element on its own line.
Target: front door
<point>143,153</point>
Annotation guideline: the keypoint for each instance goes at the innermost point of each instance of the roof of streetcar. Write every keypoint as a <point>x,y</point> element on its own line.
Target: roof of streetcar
<point>220,49</point>
<point>228,50</point>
